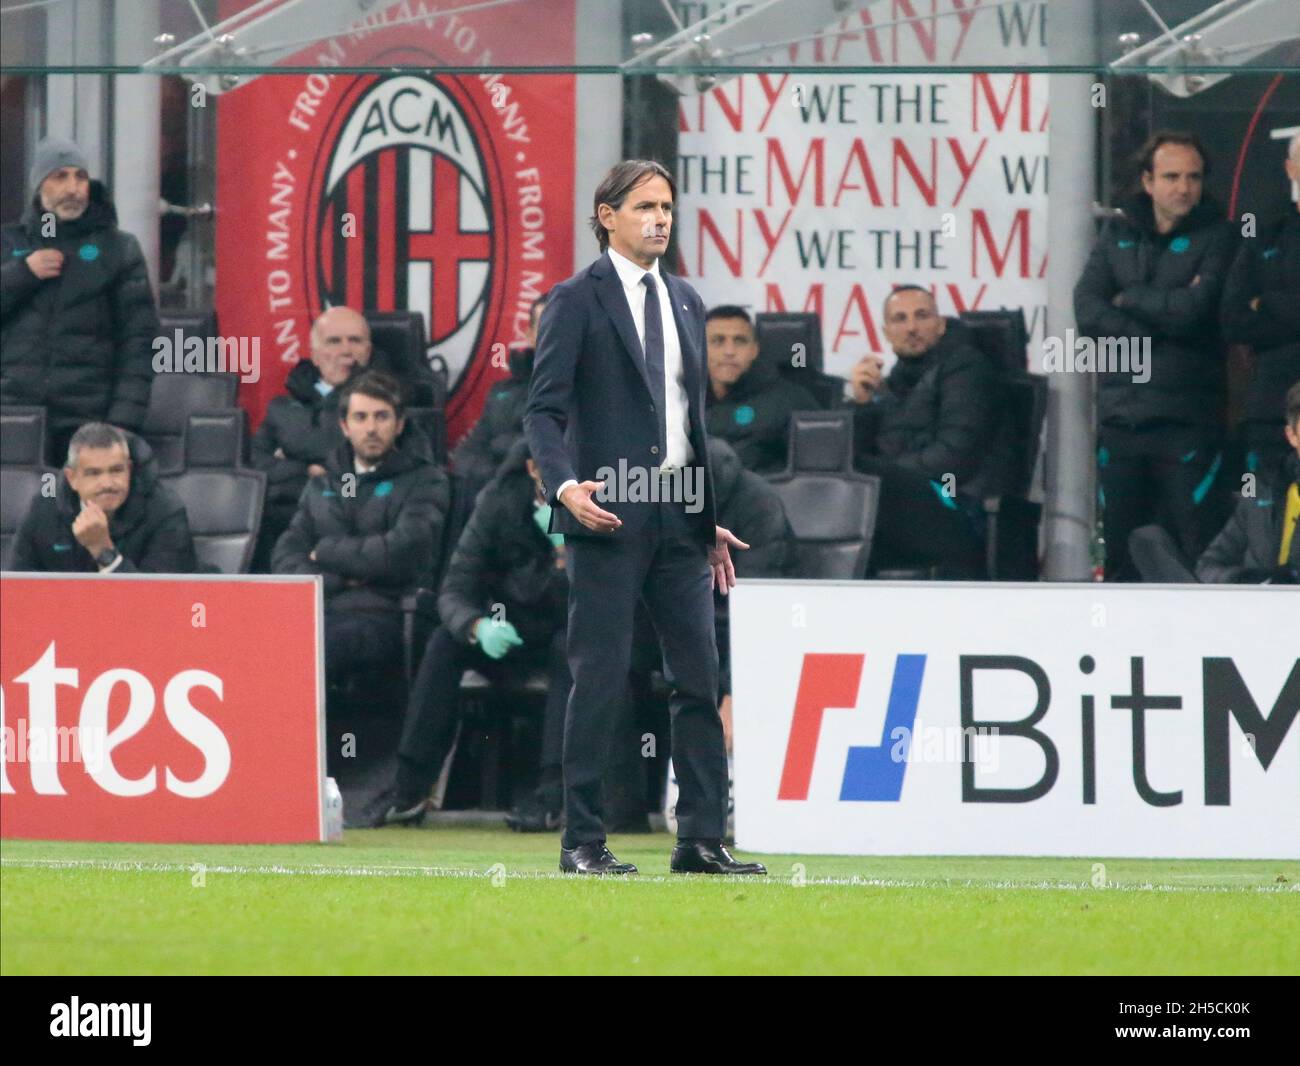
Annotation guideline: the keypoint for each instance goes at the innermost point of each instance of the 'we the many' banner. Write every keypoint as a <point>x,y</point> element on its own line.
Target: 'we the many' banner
<point>821,192</point>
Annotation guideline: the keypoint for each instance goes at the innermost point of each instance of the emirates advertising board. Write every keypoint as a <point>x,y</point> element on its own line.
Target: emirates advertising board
<point>162,709</point>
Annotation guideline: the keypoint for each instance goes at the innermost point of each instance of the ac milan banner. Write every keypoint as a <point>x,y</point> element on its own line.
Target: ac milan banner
<point>819,192</point>
<point>447,195</point>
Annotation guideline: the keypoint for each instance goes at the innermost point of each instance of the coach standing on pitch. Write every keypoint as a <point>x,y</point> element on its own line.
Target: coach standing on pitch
<point>618,384</point>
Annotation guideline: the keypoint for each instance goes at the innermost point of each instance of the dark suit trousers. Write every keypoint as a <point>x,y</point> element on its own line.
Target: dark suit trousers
<point>666,565</point>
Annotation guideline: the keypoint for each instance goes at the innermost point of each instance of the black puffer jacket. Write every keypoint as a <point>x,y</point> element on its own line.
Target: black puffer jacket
<point>937,413</point>
<point>504,558</point>
<point>751,509</point>
<point>1152,274</point>
<point>499,426</point>
<point>80,344</point>
<point>373,533</point>
<point>1246,549</point>
<point>303,425</point>
<point>150,529</point>
<point>754,416</point>
<point>1267,266</point>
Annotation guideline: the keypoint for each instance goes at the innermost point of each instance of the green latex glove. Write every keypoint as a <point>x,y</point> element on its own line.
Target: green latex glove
<point>495,638</point>
<point>542,516</point>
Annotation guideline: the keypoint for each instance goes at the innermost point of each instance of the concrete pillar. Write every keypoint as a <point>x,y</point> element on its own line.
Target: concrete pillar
<point>598,130</point>
<point>1072,147</point>
<point>137,125</point>
<point>76,105</point>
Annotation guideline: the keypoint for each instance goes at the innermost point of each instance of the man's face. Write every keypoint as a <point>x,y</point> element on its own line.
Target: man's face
<point>732,349</point>
<point>1293,436</point>
<point>66,192</point>
<point>913,324</point>
<point>102,476</point>
<point>340,340</point>
<point>371,426</point>
<point>1293,164</point>
<point>1174,181</point>
<point>641,227</point>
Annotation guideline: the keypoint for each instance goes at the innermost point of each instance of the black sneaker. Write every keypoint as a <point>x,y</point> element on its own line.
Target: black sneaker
<point>534,815</point>
<point>392,809</point>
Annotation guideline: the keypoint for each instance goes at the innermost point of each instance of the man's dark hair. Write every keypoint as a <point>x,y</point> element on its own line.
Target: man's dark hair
<point>1293,406</point>
<point>376,384</point>
<point>909,287</point>
<point>729,311</point>
<point>95,435</point>
<point>622,179</point>
<point>1146,156</point>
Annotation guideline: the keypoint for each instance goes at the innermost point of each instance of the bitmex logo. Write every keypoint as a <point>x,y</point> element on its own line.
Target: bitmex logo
<point>870,773</point>
<point>876,772</point>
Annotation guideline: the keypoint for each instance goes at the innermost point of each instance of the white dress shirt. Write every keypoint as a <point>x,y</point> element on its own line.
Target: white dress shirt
<point>678,450</point>
<point>677,447</point>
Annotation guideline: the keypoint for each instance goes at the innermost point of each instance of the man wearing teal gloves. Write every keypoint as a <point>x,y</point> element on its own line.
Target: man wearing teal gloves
<point>503,607</point>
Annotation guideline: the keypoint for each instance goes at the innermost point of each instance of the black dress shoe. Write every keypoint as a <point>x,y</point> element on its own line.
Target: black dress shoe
<point>709,857</point>
<point>592,859</point>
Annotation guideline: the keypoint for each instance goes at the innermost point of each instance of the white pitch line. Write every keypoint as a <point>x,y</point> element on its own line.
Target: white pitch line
<point>115,865</point>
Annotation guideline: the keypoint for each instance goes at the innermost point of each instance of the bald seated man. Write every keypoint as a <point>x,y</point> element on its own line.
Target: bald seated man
<point>301,427</point>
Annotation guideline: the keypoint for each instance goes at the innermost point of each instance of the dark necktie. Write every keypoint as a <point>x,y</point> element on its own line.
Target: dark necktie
<point>654,357</point>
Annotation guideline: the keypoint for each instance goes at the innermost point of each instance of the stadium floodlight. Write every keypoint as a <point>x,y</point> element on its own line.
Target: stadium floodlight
<point>1229,35</point>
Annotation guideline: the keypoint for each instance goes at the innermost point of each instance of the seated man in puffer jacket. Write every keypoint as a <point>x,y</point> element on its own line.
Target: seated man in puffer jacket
<point>369,524</point>
<point>929,431</point>
<point>109,514</point>
<point>301,428</point>
<point>1260,545</point>
<point>504,611</point>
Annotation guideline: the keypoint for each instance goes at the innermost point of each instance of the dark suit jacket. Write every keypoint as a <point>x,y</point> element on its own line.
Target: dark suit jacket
<point>590,403</point>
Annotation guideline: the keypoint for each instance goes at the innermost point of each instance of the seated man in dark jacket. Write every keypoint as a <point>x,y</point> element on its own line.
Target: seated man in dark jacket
<point>501,424</point>
<point>368,524</point>
<point>1260,543</point>
<point>1261,307</point>
<point>748,403</point>
<point>77,314</point>
<point>504,610</point>
<point>301,428</point>
<point>926,430</point>
<point>109,515</point>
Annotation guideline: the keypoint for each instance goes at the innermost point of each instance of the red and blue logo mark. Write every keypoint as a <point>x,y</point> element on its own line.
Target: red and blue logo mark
<point>870,773</point>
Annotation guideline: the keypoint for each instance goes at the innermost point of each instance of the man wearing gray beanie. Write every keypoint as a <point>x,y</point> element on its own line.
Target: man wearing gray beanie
<point>77,313</point>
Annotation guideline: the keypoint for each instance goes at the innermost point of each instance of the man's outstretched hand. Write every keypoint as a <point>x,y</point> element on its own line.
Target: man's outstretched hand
<point>577,498</point>
<point>724,574</point>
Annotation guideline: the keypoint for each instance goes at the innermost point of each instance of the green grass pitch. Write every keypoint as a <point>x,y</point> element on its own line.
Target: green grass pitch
<point>461,900</point>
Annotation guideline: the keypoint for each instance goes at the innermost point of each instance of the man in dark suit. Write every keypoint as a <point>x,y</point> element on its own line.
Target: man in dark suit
<point>616,417</point>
